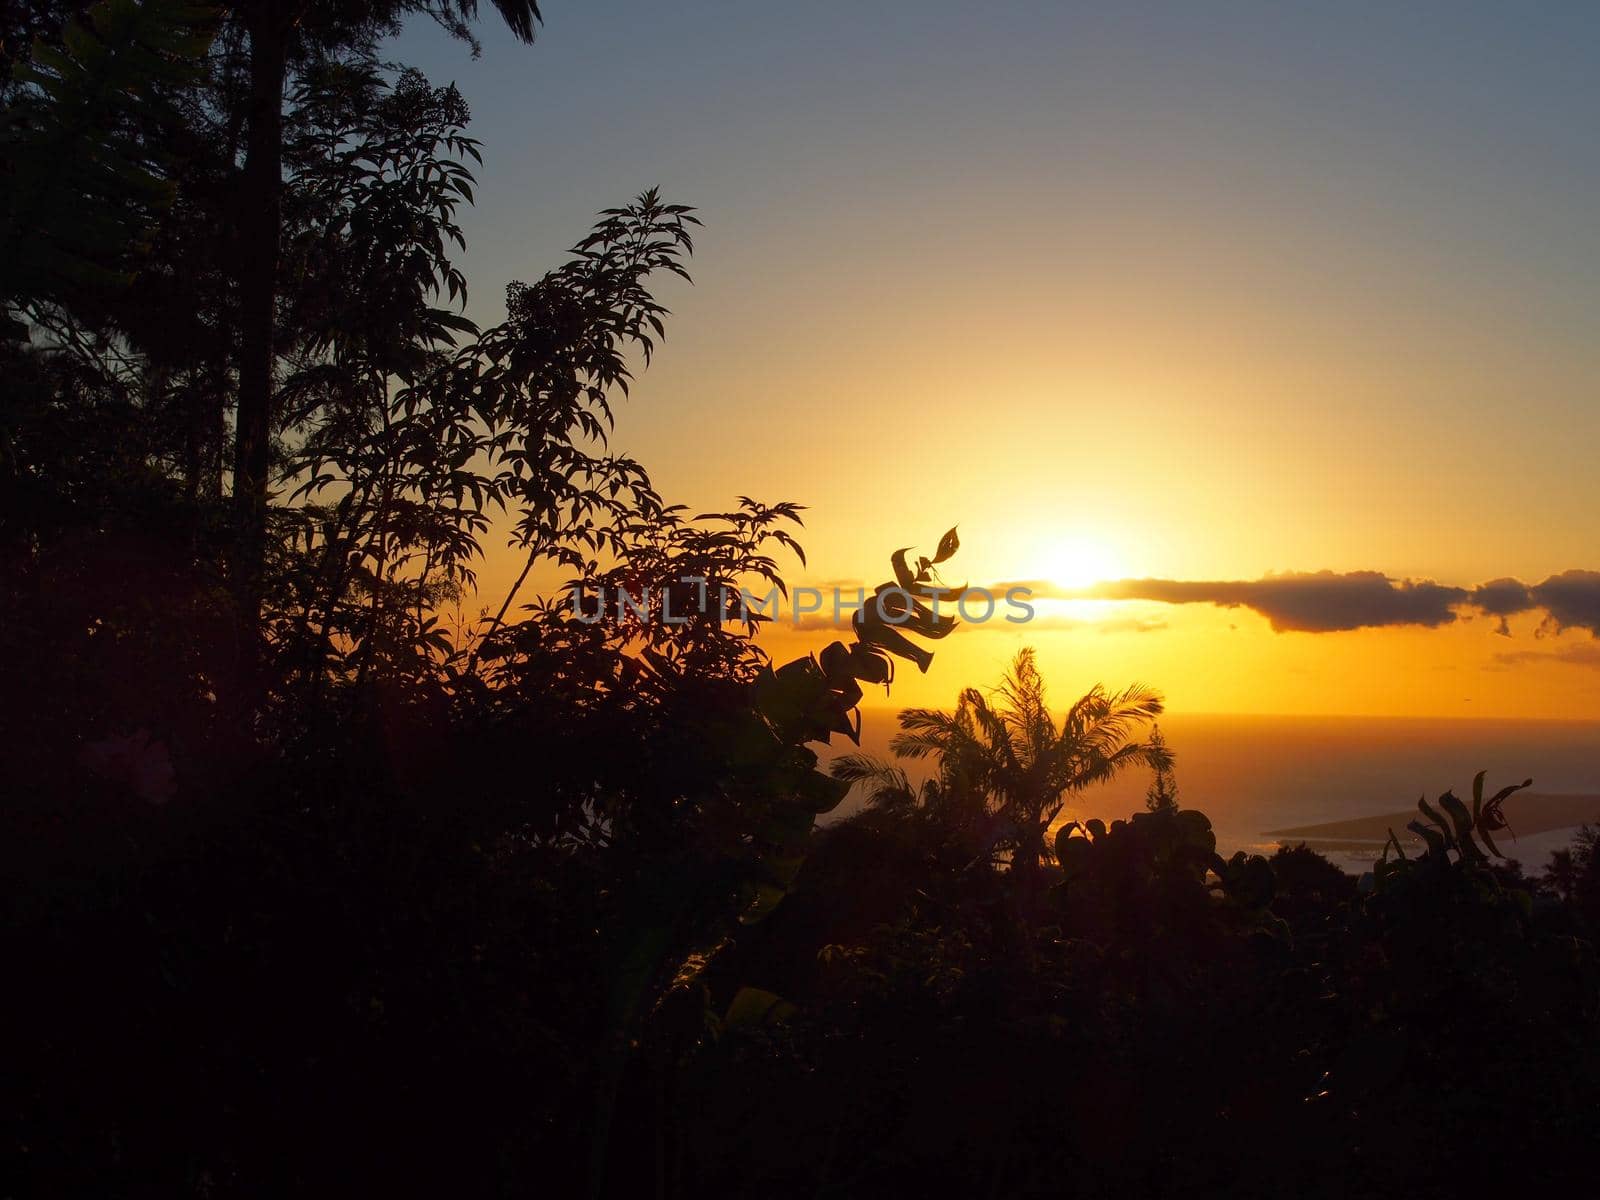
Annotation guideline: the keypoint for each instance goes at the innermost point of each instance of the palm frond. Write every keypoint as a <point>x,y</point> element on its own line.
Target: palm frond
<point>925,718</point>
<point>887,786</point>
<point>995,728</point>
<point>856,768</point>
<point>921,745</point>
<point>1025,704</point>
<point>1118,715</point>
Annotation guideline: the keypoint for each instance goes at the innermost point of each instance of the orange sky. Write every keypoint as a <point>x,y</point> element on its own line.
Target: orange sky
<point>1123,294</point>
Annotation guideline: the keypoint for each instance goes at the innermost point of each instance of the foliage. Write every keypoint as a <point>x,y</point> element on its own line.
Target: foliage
<point>1453,836</point>
<point>1163,790</point>
<point>943,1046</point>
<point>1003,760</point>
<point>1110,876</point>
<point>427,903</point>
<point>408,449</point>
<point>81,147</point>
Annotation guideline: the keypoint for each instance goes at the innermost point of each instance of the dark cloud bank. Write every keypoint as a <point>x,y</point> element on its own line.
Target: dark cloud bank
<point>1328,602</point>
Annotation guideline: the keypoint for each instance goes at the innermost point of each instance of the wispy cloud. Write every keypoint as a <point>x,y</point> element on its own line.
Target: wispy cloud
<point>1025,591</point>
<point>1584,654</point>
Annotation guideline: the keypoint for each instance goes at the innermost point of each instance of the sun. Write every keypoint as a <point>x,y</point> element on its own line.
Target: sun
<point>1077,562</point>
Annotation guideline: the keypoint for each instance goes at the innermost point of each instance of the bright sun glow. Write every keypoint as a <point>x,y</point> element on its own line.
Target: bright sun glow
<point>1079,562</point>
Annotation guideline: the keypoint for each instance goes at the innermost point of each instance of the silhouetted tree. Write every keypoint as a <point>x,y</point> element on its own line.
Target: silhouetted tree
<point>1005,748</point>
<point>1561,876</point>
<point>1162,795</point>
<point>1573,874</point>
<point>277,34</point>
<point>85,147</point>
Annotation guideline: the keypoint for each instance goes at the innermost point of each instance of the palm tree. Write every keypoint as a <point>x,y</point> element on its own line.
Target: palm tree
<point>952,802</point>
<point>1003,754</point>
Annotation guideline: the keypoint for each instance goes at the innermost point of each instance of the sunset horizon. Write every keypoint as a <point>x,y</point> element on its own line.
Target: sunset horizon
<point>805,602</point>
<point>1244,313</point>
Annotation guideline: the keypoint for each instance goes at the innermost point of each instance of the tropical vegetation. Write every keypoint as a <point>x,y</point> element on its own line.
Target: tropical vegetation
<point>327,871</point>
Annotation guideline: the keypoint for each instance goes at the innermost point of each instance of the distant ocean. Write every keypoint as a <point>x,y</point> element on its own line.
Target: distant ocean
<point>1252,774</point>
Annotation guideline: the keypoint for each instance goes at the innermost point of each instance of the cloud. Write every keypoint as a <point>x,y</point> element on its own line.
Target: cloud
<point>1572,599</point>
<point>1584,654</point>
<point>1061,623</point>
<point>1310,602</point>
<point>1332,602</point>
<point>1502,598</point>
<point>1317,602</point>
<point>1038,589</point>
<point>1131,625</point>
<point>1043,619</point>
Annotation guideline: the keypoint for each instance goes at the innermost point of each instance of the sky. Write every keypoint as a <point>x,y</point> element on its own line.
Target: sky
<point>1137,295</point>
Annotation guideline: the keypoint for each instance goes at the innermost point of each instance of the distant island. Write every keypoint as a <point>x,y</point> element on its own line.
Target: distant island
<point>1533,813</point>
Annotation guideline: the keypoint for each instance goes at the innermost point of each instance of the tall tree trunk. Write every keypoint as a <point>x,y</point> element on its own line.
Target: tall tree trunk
<point>256,231</point>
